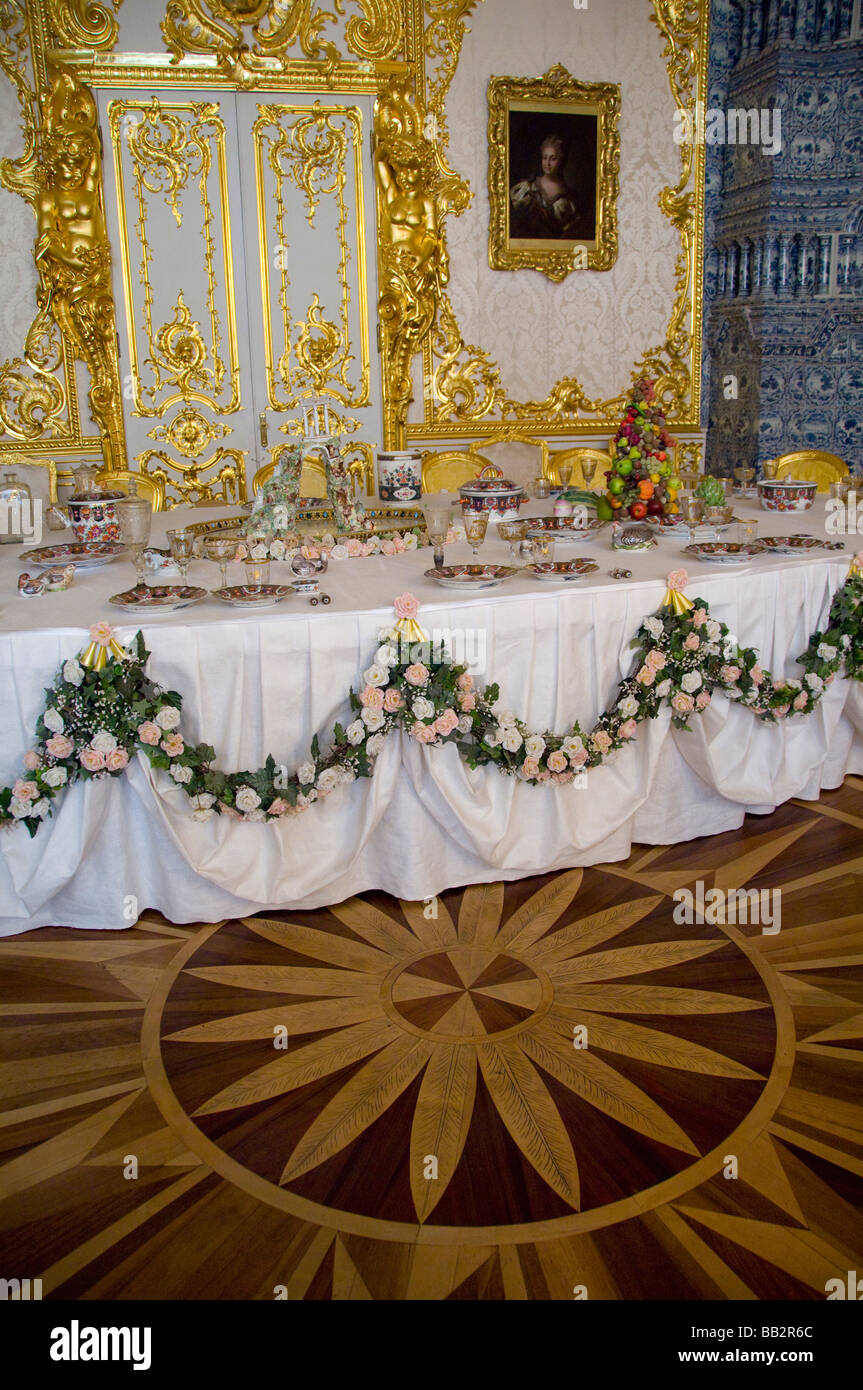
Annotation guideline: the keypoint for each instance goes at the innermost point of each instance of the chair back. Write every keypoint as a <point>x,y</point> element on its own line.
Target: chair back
<point>127,481</point>
<point>451,469</point>
<point>812,466</point>
<point>577,456</point>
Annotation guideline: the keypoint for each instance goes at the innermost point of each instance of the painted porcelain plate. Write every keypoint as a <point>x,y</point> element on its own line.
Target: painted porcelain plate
<point>471,576</point>
<point>556,571</point>
<point>164,598</point>
<point>84,555</point>
<point>724,552</point>
<point>264,596</point>
<point>789,545</point>
<point>564,528</point>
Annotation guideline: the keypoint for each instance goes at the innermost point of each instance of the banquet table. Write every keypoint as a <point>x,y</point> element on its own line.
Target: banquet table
<point>264,682</point>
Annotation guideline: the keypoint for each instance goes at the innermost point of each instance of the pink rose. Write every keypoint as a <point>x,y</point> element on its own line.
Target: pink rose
<point>148,732</point>
<point>392,700</point>
<point>91,760</point>
<point>406,606</point>
<point>354,547</point>
<point>702,700</point>
<point>423,733</point>
<point>699,617</point>
<point>563,777</point>
<point>372,697</point>
<point>417,674</point>
<point>628,729</point>
<point>467,702</point>
<point>446,722</point>
<point>781,711</point>
<point>364,550</point>
<point>530,767</point>
<point>655,659</point>
<point>229,811</point>
<point>59,746</point>
<point>601,741</point>
<point>116,760</point>
<point>578,759</point>
<point>556,761</point>
<point>543,777</point>
<point>691,643</point>
<point>101,633</point>
<point>25,791</point>
<point>399,544</point>
<point>802,700</point>
<point>646,676</point>
<point>32,760</point>
<point>682,703</point>
<point>730,674</point>
<point>678,579</point>
<point>278,807</point>
<point>173,745</point>
<point>387,548</point>
<point>465,681</point>
<point>757,675</point>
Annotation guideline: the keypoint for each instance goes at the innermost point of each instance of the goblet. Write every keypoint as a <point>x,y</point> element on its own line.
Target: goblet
<point>222,550</point>
<point>437,508</point>
<point>588,471</point>
<point>134,517</point>
<point>475,525</point>
<point>744,477</point>
<point>564,472</point>
<point>182,543</point>
<point>514,532</point>
<point>692,510</point>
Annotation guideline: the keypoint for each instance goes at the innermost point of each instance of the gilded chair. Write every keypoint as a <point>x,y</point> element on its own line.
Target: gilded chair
<point>576,457</point>
<point>812,466</point>
<point>127,481</point>
<point>449,470</point>
<point>510,435</point>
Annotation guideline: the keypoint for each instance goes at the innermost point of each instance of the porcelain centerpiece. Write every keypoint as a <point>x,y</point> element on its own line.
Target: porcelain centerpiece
<point>492,493</point>
<point>786,494</point>
<point>93,515</point>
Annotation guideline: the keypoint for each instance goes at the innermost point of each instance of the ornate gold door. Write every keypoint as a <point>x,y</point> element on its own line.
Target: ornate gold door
<point>239,230</point>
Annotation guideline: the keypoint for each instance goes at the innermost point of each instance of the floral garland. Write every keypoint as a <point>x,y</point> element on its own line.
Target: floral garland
<point>103,708</point>
<point>352,548</point>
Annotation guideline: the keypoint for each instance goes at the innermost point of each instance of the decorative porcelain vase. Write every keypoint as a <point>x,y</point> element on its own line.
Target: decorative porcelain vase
<point>400,475</point>
<point>93,516</point>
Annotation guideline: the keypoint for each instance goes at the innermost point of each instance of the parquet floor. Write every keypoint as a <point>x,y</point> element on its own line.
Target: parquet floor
<point>547,1090</point>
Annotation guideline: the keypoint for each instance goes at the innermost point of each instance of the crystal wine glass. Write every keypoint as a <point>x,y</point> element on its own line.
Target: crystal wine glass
<point>514,532</point>
<point>438,514</point>
<point>564,472</point>
<point>693,511</point>
<point>222,550</point>
<point>134,517</point>
<point>588,471</point>
<point>182,543</point>
<point>475,525</point>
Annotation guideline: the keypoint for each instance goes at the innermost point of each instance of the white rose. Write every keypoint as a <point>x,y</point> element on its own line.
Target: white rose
<point>277,550</point>
<point>55,776</point>
<point>663,688</point>
<point>713,629</point>
<point>306,773</point>
<point>374,544</point>
<point>494,736</point>
<point>845,641</point>
<point>346,774</point>
<point>41,807</point>
<point>306,799</point>
<point>53,720</point>
<point>410,541</point>
<point>103,742</point>
<point>328,779</point>
<point>654,627</point>
<point>376,674</point>
<point>203,801</point>
<point>73,672</point>
<point>356,732</point>
<point>826,652</point>
<point>572,745</point>
<point>511,740</point>
<point>255,815</point>
<point>423,708</point>
<point>246,799</point>
<point>628,707</point>
<point>691,682</point>
<point>180,773</point>
<point>389,634</point>
<point>534,746</point>
<point>258,552</point>
<point>203,814</point>
<point>168,717</point>
<point>373,719</point>
<point>386,656</point>
<point>20,809</point>
<point>465,724</point>
<point>339,552</point>
<point>814,682</point>
<point>507,719</point>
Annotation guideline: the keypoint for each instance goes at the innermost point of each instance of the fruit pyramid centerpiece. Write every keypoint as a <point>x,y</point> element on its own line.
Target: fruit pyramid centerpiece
<point>641,481</point>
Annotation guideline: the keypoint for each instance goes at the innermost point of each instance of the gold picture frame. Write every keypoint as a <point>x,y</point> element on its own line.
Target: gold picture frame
<point>553,164</point>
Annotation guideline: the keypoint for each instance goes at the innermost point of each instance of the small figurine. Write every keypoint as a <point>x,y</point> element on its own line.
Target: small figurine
<point>29,586</point>
<point>58,579</point>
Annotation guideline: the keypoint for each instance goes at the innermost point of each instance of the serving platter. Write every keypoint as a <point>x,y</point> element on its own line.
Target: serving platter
<point>469,577</point>
<point>790,545</point>
<point>84,555</point>
<point>560,571</point>
<point>564,528</point>
<point>261,596</point>
<point>724,552</point>
<point>159,598</point>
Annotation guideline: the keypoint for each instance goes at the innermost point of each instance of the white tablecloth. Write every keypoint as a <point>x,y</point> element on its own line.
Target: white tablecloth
<point>266,682</point>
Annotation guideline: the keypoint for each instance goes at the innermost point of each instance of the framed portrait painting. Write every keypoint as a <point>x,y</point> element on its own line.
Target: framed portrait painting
<point>553,161</point>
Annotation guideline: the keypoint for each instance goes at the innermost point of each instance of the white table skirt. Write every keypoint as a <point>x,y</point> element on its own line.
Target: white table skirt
<point>266,682</point>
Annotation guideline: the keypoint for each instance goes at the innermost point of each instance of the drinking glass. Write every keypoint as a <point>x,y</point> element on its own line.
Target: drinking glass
<point>840,489</point>
<point>542,550</point>
<point>747,532</point>
<point>588,471</point>
<point>222,550</point>
<point>514,532</point>
<point>257,573</point>
<point>475,525</point>
<point>182,543</point>
<point>692,510</point>
<point>564,472</point>
<point>744,477</point>
<point>540,487</point>
<point>134,517</point>
<point>438,514</point>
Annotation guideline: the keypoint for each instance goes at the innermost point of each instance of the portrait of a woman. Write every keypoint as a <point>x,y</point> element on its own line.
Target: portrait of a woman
<point>545,205</point>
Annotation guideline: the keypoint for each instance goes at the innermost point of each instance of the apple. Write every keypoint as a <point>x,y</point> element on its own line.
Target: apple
<point>624,467</point>
<point>616,486</point>
<point>638,510</point>
<point>655,507</point>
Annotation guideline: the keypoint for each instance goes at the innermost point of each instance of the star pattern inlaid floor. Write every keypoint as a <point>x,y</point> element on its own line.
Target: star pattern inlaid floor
<point>521,1090</point>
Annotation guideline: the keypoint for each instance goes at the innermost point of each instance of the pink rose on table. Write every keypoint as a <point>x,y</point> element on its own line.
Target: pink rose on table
<point>781,711</point>
<point>278,807</point>
<point>417,674</point>
<point>173,745</point>
<point>580,758</point>
<point>446,722</point>
<point>59,746</point>
<point>354,547</point>
<point>655,659</point>
<point>702,700</point>
<point>406,606</point>
<point>32,760</point>
<point>757,675</point>
<point>692,643</point>
<point>372,697</point>
<point>399,544</point>
<point>101,633</point>
<point>601,741</point>
<point>387,548</point>
<point>467,701</point>
<point>530,767</point>
<point>556,761</point>
<point>148,732</point>
<point>801,701</point>
<point>465,681</point>
<point>699,617</point>
<point>678,579</point>
<point>730,674</point>
<point>91,760</point>
<point>423,733</point>
<point>646,676</point>
<point>116,760</point>
<point>628,729</point>
<point>563,777</point>
<point>682,703</point>
<point>543,777</point>
<point>25,791</point>
<point>392,700</point>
